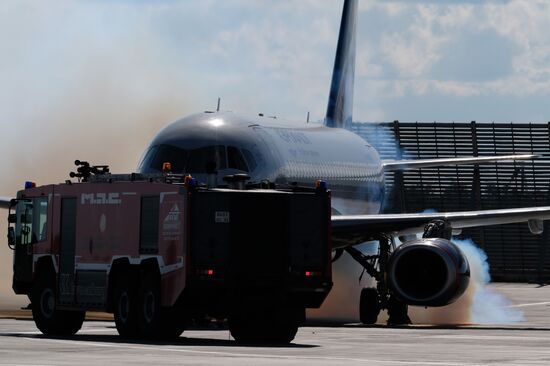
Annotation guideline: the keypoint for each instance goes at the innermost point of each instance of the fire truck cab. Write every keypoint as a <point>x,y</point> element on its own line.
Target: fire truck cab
<point>159,253</point>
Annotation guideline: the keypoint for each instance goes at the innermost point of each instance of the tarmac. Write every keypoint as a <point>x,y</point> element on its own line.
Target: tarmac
<point>523,343</point>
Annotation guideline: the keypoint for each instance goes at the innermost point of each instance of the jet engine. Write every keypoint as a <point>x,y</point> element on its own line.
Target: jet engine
<point>428,272</point>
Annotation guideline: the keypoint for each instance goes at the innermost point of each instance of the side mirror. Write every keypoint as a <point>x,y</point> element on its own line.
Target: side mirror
<point>11,237</point>
<point>12,218</point>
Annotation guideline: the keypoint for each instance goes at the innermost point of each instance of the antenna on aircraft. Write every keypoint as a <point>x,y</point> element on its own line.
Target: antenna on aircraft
<point>218,107</point>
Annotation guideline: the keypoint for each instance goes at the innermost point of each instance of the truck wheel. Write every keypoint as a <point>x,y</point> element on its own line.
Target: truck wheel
<point>48,319</point>
<point>265,325</point>
<point>285,325</point>
<point>369,307</point>
<point>149,317</point>
<point>173,323</point>
<point>155,321</point>
<point>125,307</point>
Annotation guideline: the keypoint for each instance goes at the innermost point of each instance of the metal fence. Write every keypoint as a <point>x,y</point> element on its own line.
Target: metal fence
<point>513,252</point>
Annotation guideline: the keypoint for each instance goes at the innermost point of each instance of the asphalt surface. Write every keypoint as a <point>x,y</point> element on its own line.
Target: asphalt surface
<point>523,343</point>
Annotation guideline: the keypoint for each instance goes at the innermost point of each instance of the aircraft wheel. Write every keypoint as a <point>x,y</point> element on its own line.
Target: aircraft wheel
<point>369,306</point>
<point>397,312</point>
<point>48,319</point>
<point>125,307</point>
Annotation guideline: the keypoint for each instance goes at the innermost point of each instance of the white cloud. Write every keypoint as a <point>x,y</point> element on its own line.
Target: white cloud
<point>429,50</point>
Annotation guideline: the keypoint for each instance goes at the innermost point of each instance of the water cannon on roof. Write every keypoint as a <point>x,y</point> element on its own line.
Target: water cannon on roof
<point>85,170</point>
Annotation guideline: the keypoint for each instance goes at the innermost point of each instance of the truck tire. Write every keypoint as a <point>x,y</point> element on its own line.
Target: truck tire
<point>125,306</point>
<point>155,321</point>
<point>173,323</point>
<point>265,324</point>
<point>369,307</point>
<point>48,319</point>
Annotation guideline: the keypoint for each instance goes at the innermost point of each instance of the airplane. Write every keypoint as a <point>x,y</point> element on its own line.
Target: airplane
<point>431,271</point>
<point>428,272</point>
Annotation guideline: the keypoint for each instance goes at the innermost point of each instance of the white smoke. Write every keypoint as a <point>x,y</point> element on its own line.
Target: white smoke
<point>488,306</point>
<point>479,304</point>
<point>79,81</point>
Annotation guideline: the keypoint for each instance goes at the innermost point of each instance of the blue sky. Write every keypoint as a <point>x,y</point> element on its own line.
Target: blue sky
<point>417,60</point>
<point>96,79</point>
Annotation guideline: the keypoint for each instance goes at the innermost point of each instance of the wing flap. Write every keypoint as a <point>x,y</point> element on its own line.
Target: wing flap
<point>354,229</point>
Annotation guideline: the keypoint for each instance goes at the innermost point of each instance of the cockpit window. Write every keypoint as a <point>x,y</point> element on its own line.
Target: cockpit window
<point>206,159</point>
<point>250,160</point>
<point>235,159</point>
<point>160,154</point>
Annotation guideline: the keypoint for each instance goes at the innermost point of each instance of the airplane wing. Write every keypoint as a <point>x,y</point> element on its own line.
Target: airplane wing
<point>355,229</point>
<point>390,166</point>
<point>5,202</point>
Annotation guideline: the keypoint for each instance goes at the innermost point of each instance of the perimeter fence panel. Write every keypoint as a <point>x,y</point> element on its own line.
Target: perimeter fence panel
<point>514,254</point>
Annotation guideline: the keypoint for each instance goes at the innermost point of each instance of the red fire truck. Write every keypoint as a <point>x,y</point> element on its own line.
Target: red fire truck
<point>158,251</point>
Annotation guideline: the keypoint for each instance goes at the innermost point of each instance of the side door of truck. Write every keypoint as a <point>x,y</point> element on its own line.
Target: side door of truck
<point>31,227</point>
<point>67,251</point>
<point>22,260</point>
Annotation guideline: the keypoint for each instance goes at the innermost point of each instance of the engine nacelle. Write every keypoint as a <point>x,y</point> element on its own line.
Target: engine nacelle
<point>428,272</point>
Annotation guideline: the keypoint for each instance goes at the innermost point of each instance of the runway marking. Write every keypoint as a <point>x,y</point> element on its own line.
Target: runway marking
<point>254,355</point>
<point>530,304</point>
<point>483,337</point>
<point>24,364</point>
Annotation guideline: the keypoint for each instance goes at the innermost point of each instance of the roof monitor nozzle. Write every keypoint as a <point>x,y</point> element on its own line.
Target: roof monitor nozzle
<point>85,170</point>
<point>236,181</point>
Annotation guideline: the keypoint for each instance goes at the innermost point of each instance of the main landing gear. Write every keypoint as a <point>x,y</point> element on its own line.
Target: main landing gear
<point>373,300</point>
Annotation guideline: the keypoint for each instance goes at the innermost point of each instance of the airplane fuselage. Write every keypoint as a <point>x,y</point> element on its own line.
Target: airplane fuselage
<point>274,150</point>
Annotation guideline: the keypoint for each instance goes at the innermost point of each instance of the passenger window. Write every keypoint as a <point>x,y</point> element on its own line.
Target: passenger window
<point>235,159</point>
<point>206,159</point>
<point>250,160</point>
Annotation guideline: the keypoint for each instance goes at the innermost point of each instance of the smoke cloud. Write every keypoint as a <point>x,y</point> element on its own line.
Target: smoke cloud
<point>79,81</point>
<point>342,304</point>
<point>479,304</point>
